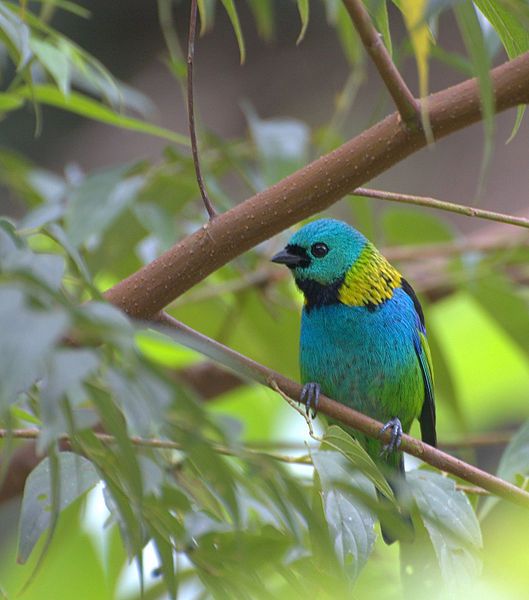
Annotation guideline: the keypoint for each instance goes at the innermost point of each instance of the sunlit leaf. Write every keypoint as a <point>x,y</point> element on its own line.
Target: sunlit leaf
<point>514,464</point>
<point>452,526</point>
<point>337,439</point>
<point>76,476</point>
<point>351,525</point>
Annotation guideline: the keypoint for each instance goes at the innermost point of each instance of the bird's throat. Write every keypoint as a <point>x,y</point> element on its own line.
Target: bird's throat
<point>317,294</point>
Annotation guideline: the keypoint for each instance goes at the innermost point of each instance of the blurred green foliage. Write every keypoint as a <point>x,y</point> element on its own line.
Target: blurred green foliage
<point>242,508</point>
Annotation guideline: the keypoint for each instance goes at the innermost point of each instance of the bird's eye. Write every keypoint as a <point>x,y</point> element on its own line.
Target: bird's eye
<point>319,249</point>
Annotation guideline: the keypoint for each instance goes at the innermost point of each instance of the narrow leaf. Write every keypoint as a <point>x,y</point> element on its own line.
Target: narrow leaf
<point>513,35</point>
<point>85,107</point>
<point>413,12</point>
<point>337,439</point>
<point>303,8</point>
<point>470,28</point>
<point>234,18</point>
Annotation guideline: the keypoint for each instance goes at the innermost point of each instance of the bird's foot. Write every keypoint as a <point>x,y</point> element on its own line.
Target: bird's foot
<point>310,396</point>
<point>396,435</point>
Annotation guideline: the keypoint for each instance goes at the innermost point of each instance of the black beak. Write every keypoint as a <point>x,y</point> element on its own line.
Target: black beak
<point>290,259</point>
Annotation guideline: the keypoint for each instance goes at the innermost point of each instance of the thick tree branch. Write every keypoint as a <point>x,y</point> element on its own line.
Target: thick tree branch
<point>308,191</point>
<point>347,416</point>
<point>409,108</point>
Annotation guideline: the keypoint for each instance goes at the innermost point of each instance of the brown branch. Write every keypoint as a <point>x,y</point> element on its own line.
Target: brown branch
<point>409,108</point>
<point>309,190</point>
<point>345,415</point>
<point>191,111</point>
<point>428,202</point>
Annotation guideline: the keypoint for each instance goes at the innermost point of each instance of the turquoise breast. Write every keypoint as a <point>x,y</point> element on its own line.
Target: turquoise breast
<point>365,358</point>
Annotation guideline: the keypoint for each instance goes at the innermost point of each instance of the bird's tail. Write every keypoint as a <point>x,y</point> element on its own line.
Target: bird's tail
<point>402,530</point>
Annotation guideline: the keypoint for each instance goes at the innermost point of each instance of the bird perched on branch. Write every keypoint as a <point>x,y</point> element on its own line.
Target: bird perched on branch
<point>363,338</point>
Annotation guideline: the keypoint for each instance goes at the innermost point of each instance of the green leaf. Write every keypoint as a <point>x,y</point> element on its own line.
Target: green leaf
<point>513,35</point>
<point>263,12</point>
<point>9,102</point>
<point>57,233</point>
<point>303,8</point>
<point>351,524</point>
<point>86,107</point>
<point>229,5</point>
<point>67,370</point>
<point>514,464</point>
<point>413,12</point>
<point>76,476</point>
<point>473,38</point>
<point>206,10</point>
<point>379,11</point>
<point>55,62</point>
<point>349,39</point>
<point>337,439</point>
<point>98,202</point>
<point>16,35</point>
<point>452,526</point>
<point>48,269</point>
<point>26,338</point>
<point>143,399</point>
<point>282,144</point>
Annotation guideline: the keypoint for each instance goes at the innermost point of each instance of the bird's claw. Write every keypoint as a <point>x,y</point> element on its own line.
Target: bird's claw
<point>396,435</point>
<point>310,396</point>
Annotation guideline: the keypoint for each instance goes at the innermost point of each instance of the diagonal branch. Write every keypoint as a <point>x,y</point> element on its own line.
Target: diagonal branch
<point>347,416</point>
<point>191,110</point>
<point>309,190</point>
<point>409,108</point>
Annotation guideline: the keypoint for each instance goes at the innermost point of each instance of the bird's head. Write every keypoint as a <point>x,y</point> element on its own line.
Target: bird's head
<point>322,252</point>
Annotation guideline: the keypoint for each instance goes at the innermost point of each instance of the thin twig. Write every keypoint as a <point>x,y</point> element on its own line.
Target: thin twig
<point>272,383</point>
<point>347,416</point>
<point>191,111</point>
<point>407,105</point>
<point>160,444</point>
<point>472,489</point>
<point>469,211</point>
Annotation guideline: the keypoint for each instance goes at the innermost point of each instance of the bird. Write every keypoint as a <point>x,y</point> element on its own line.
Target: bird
<point>363,338</point>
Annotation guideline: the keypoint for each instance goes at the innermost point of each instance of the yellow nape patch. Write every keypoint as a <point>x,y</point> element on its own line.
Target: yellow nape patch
<point>371,280</point>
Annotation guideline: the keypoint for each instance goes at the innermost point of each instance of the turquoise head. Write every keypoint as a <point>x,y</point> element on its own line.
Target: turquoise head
<point>322,252</point>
